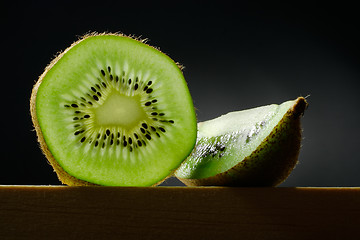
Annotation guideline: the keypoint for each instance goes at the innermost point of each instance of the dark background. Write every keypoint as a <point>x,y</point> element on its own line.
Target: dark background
<point>237,55</point>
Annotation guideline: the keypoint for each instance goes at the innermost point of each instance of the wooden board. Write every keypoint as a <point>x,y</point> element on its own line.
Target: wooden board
<point>59,212</point>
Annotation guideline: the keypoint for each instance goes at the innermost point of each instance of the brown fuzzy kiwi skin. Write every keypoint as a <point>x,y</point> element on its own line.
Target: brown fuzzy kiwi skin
<point>271,163</point>
<point>63,176</point>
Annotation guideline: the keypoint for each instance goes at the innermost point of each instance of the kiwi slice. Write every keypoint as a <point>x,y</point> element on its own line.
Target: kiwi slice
<point>255,147</point>
<point>112,110</point>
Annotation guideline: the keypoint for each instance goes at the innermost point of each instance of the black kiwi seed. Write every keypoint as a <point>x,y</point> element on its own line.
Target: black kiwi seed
<point>86,116</point>
<point>96,98</point>
<point>162,129</point>
<point>214,153</point>
<point>77,112</point>
<point>136,136</point>
<point>125,143</point>
<point>66,105</point>
<point>99,94</point>
<point>154,101</point>
<point>139,143</point>
<point>144,125</point>
<point>149,83</point>
<point>83,139</point>
<point>145,88</point>
<point>136,86</point>
<point>74,105</point>
<point>129,81</point>
<point>171,121</point>
<point>96,143</point>
<point>142,130</point>
<point>111,77</point>
<point>103,72</point>
<point>104,84</point>
<point>154,113</point>
<point>109,69</point>
<point>147,103</point>
<point>149,90</point>
<point>75,118</point>
<point>93,89</point>
<point>148,136</point>
<point>107,132</point>
<point>152,128</point>
<point>90,103</point>
<point>161,114</point>
<point>130,140</point>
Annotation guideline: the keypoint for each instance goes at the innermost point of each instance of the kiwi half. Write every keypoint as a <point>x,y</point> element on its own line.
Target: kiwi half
<point>255,147</point>
<point>112,110</point>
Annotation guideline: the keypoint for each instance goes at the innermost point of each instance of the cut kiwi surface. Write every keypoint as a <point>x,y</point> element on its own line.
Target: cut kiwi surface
<point>254,147</point>
<point>111,110</point>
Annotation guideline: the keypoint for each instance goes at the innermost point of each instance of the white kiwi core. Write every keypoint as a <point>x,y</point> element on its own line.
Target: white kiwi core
<point>120,110</point>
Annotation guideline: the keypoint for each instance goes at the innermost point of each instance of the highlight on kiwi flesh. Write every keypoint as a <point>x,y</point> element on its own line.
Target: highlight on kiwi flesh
<point>112,110</point>
<point>254,147</point>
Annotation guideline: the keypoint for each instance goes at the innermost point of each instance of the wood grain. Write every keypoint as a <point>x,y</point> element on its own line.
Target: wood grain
<point>59,212</point>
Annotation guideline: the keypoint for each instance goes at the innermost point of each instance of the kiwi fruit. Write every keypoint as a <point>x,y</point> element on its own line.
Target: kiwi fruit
<point>111,110</point>
<point>254,147</point>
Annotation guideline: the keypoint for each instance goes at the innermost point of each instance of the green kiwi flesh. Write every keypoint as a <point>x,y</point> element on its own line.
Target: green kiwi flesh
<point>254,147</point>
<point>112,110</point>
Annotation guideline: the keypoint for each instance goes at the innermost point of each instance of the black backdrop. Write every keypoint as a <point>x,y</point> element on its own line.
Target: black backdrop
<point>237,55</point>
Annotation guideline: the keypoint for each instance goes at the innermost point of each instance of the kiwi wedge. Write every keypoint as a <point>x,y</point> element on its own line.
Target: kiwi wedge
<point>111,110</point>
<point>254,147</point>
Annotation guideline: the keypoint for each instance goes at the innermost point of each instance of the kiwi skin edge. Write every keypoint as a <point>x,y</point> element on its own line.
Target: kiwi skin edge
<point>267,165</point>
<point>63,176</point>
